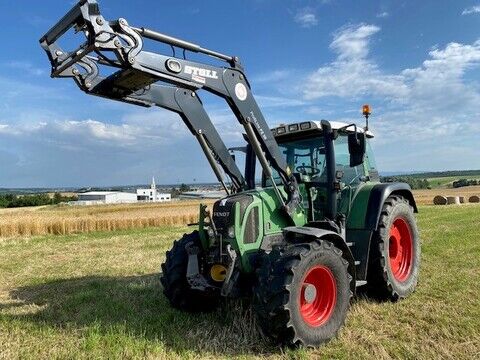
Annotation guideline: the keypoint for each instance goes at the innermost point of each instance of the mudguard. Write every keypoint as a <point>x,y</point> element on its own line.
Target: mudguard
<point>291,232</point>
<point>378,194</point>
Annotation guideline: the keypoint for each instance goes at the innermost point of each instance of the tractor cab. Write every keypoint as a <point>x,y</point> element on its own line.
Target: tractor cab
<point>304,147</point>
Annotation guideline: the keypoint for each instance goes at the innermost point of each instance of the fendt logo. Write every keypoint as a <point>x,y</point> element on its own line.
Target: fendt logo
<point>221,214</point>
<point>199,74</point>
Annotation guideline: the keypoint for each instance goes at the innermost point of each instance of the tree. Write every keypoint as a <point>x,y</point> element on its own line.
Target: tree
<point>57,198</point>
<point>185,188</point>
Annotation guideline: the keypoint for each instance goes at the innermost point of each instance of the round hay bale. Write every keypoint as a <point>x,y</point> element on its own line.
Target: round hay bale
<point>453,200</point>
<point>474,199</point>
<point>440,200</point>
<point>462,199</point>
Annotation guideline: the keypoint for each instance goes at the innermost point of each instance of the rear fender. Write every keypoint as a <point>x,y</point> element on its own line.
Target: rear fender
<point>294,234</point>
<point>379,193</point>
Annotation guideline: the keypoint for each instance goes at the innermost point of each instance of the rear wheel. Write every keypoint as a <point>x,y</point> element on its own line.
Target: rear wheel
<point>302,293</point>
<point>395,253</point>
<point>174,279</point>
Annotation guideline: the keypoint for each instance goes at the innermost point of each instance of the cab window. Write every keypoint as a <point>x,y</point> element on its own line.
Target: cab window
<point>305,157</point>
<point>351,175</point>
<point>371,165</point>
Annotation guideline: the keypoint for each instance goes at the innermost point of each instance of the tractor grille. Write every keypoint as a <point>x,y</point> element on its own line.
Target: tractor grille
<point>252,228</point>
<point>223,211</point>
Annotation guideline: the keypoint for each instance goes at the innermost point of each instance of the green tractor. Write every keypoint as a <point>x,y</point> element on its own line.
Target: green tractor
<point>319,227</point>
<point>350,231</point>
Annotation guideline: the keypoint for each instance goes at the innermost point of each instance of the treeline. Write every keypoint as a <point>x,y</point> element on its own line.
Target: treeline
<point>176,192</point>
<point>465,182</point>
<point>435,174</point>
<point>14,201</point>
<point>414,183</point>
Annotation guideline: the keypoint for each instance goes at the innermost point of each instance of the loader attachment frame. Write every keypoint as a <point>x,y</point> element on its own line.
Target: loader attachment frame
<point>119,45</point>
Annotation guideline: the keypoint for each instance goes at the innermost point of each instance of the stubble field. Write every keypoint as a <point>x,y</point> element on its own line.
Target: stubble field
<point>66,220</point>
<point>97,295</point>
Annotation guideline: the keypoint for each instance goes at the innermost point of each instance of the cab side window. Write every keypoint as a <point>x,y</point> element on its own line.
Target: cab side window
<point>371,164</point>
<point>351,175</point>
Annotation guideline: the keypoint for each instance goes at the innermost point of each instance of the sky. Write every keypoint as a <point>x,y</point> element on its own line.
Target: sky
<point>417,63</point>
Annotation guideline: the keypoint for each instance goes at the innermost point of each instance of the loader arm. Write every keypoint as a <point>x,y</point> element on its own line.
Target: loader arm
<point>117,44</point>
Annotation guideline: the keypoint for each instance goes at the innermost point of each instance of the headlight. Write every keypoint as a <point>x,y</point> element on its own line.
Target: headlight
<point>231,232</point>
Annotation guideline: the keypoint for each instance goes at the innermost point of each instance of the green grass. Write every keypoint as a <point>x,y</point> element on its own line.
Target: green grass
<point>97,296</point>
<point>446,181</point>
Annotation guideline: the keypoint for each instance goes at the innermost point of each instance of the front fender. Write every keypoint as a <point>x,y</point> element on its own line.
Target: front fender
<point>306,233</point>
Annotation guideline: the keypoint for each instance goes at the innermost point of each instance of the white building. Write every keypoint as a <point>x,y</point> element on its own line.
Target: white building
<point>105,197</point>
<point>152,194</point>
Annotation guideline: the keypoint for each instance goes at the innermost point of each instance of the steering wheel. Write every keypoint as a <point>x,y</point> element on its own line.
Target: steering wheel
<point>303,170</point>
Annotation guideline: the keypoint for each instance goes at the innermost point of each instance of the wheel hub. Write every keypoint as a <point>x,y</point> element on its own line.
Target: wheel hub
<point>309,293</point>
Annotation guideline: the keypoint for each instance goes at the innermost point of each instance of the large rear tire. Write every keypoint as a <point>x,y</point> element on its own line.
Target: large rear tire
<point>174,279</point>
<point>395,252</point>
<point>302,293</point>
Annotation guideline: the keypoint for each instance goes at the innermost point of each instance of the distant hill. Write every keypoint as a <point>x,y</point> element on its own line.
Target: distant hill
<point>436,179</point>
<point>437,174</point>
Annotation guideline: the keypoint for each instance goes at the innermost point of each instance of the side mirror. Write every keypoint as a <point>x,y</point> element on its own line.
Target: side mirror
<point>356,148</point>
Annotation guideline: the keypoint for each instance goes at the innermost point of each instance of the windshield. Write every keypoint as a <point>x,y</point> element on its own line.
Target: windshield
<point>306,157</point>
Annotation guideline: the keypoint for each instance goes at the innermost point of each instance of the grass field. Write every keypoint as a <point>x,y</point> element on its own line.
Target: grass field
<point>447,181</point>
<point>97,296</point>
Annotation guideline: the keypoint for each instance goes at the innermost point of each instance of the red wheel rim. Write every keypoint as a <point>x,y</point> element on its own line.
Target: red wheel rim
<point>400,249</point>
<point>318,296</point>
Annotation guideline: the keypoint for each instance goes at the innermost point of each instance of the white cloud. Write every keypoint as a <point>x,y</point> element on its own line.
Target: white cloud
<point>383,14</point>
<point>306,18</point>
<point>426,109</point>
<point>142,142</point>
<point>471,10</point>
<point>439,84</point>
<point>352,42</point>
<point>355,73</point>
<point>92,152</point>
<point>352,73</point>
<point>136,130</point>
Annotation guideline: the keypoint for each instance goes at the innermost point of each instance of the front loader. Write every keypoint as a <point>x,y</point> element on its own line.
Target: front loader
<point>318,228</point>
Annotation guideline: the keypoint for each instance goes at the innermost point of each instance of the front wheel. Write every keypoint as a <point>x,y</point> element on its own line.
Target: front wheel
<point>302,293</point>
<point>395,252</point>
<point>174,279</point>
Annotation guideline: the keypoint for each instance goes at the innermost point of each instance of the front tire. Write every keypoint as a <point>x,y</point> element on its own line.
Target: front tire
<point>174,279</point>
<point>302,294</point>
<point>395,252</point>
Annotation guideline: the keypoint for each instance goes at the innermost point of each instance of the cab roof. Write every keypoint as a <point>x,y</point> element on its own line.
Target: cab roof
<point>312,126</point>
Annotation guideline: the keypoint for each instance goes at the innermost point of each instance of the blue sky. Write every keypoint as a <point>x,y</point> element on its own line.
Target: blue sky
<point>416,62</point>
